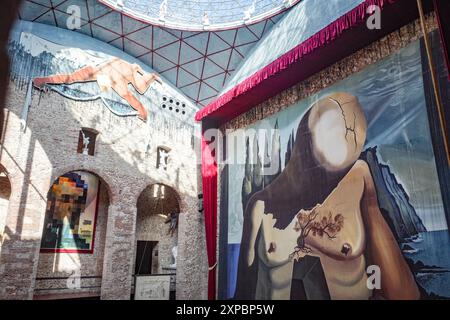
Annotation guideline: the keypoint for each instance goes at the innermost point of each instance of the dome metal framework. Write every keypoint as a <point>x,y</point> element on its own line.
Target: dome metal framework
<point>196,15</point>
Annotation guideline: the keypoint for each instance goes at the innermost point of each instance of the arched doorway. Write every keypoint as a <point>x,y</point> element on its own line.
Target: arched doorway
<point>73,237</point>
<point>158,207</point>
<point>5,193</point>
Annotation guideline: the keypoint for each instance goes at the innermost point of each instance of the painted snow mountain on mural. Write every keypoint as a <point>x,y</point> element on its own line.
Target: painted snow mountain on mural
<point>51,59</point>
<point>33,55</point>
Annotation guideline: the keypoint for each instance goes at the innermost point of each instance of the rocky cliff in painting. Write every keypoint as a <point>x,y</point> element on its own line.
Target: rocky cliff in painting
<point>393,199</point>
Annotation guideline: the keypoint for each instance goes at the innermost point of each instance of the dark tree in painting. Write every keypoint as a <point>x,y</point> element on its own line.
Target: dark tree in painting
<point>257,176</point>
<point>253,179</point>
<point>290,146</point>
<point>272,162</point>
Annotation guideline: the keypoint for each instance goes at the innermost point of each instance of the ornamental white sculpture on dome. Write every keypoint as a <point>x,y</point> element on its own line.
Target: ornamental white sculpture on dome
<point>190,14</point>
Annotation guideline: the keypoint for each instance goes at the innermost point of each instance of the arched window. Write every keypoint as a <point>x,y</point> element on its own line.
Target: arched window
<point>158,208</point>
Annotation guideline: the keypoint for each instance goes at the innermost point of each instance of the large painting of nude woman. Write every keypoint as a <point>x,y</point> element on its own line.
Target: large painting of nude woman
<point>356,209</point>
<point>324,204</point>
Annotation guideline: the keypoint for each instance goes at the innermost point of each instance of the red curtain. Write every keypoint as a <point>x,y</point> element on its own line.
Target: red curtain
<point>209,181</point>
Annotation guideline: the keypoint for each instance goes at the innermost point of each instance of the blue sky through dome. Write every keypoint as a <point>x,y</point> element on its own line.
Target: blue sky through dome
<point>189,14</point>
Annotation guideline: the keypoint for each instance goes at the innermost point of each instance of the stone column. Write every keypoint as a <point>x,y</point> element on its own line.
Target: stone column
<point>119,249</point>
<point>192,268</point>
<point>21,241</point>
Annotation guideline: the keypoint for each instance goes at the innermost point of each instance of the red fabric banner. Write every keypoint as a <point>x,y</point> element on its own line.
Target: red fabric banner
<point>209,182</point>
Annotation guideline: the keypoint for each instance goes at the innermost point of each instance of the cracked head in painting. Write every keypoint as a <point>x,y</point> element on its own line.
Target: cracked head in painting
<point>338,128</point>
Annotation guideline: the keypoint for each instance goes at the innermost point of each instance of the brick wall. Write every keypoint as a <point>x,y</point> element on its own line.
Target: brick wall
<point>46,149</point>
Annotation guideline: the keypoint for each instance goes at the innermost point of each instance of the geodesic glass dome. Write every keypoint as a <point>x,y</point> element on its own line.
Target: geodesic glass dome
<point>201,14</point>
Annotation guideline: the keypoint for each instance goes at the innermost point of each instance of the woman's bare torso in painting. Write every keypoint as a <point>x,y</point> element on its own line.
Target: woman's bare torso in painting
<point>342,257</point>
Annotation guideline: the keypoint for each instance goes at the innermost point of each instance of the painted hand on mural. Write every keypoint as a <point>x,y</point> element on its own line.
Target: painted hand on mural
<point>113,74</point>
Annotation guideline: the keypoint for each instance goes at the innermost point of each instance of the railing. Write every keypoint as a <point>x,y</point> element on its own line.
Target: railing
<point>66,278</point>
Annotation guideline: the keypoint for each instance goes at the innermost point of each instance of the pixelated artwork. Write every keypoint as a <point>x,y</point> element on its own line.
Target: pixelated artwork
<point>70,219</point>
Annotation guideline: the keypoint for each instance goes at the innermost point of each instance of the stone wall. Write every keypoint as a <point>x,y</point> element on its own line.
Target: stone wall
<point>124,161</point>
